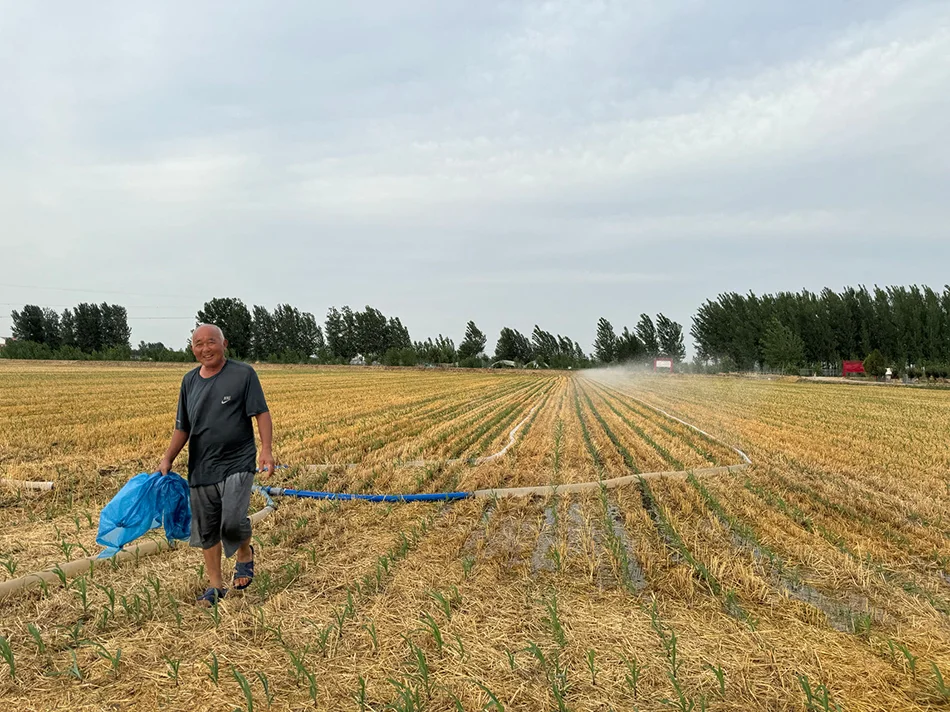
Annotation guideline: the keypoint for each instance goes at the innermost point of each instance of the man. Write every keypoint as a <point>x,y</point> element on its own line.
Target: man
<point>215,406</point>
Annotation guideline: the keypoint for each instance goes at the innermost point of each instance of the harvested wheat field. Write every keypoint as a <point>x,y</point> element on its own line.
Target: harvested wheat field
<point>818,577</point>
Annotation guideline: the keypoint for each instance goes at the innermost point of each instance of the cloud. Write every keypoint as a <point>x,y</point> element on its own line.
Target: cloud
<point>385,152</point>
<point>565,277</point>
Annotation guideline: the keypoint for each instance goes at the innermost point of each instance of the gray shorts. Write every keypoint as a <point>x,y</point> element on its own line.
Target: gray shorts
<point>219,513</point>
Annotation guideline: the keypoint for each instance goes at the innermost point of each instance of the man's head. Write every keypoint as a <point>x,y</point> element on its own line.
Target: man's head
<point>208,345</point>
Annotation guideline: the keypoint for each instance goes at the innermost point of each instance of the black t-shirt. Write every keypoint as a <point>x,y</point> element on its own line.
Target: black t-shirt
<point>216,413</point>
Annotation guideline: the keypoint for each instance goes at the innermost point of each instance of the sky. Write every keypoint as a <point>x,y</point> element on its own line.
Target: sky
<point>512,163</point>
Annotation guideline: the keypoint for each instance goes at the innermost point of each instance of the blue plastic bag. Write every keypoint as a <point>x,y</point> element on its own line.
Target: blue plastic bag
<point>147,501</point>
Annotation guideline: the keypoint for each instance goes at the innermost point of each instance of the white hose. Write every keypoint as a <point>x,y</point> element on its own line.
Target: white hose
<point>24,484</point>
<point>73,568</point>
<point>544,490</point>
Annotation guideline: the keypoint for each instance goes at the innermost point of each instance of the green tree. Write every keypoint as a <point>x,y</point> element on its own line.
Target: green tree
<point>263,334</point>
<point>544,345</point>
<point>88,327</point>
<point>473,343</point>
<point>398,335</point>
<point>875,364</point>
<point>28,324</point>
<point>372,338</point>
<point>231,315</point>
<point>114,328</point>
<point>670,338</point>
<point>783,348</point>
<point>333,332</point>
<point>67,328</point>
<point>605,344</point>
<point>629,347</point>
<point>512,345</point>
<point>646,332</point>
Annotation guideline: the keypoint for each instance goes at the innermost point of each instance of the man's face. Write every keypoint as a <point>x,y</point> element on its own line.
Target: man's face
<point>208,347</point>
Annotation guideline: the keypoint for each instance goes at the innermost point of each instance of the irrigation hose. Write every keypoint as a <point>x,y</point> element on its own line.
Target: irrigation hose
<point>57,574</point>
<point>24,484</point>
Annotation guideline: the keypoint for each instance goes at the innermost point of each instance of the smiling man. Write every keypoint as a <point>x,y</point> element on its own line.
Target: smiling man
<point>215,407</point>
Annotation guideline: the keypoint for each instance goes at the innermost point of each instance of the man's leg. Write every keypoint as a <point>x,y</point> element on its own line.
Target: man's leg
<point>206,530</point>
<point>243,555</point>
<point>235,524</point>
<point>213,565</point>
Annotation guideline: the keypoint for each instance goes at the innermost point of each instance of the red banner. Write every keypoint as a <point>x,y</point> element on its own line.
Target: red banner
<point>851,367</point>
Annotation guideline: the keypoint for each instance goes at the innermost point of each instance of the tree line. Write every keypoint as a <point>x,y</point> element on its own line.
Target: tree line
<point>646,342</point>
<point>906,327</point>
<point>369,336</point>
<point>84,331</point>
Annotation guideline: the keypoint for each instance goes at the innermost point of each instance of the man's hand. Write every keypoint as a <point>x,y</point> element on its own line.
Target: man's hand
<point>267,462</point>
<point>165,466</point>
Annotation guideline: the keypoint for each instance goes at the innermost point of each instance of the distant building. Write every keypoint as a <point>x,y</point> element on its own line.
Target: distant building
<point>5,339</point>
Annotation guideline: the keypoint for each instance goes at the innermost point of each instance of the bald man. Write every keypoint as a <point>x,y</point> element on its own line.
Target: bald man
<point>216,404</point>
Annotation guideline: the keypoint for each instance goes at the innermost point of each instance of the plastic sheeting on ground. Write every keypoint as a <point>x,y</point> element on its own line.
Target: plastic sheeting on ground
<point>147,501</point>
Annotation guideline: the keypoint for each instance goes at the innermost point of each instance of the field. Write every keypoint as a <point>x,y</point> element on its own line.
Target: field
<point>817,578</point>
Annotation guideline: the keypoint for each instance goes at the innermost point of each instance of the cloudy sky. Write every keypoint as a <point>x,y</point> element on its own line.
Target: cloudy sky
<point>509,162</point>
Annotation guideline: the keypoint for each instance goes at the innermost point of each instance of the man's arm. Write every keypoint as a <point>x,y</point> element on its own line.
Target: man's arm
<point>265,426</point>
<point>179,438</point>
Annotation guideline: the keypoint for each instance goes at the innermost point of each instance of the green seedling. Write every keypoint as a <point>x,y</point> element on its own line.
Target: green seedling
<point>371,629</point>
<point>632,673</point>
<point>173,665</point>
<point>817,699</point>
<point>493,702</point>
<point>213,668</point>
<point>592,666</point>
<point>155,583</point>
<point>214,614</point>
<point>359,697</point>
<point>173,604</point>
<point>323,637</point>
<point>433,627</point>
<point>511,659</point>
<point>9,563</point>
<point>407,697</point>
<point>468,563</point>
<point>720,678</point>
<point>110,595</point>
<point>114,660</point>
<point>443,602</point>
<point>7,653</point>
<point>74,670</point>
<point>553,620</point>
<point>458,641</point>
<point>34,631</point>
<point>683,702</point>
<point>245,688</point>
<point>82,590</point>
<point>268,694</point>
<point>75,633</point>
<point>61,575</point>
<point>422,666</point>
<point>939,684</point>
<point>910,658</point>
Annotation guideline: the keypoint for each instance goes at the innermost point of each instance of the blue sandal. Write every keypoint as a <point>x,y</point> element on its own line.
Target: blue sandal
<point>244,569</point>
<point>211,596</point>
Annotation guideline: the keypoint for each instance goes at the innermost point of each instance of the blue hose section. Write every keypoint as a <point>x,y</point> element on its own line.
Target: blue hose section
<point>268,502</point>
<point>434,497</point>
